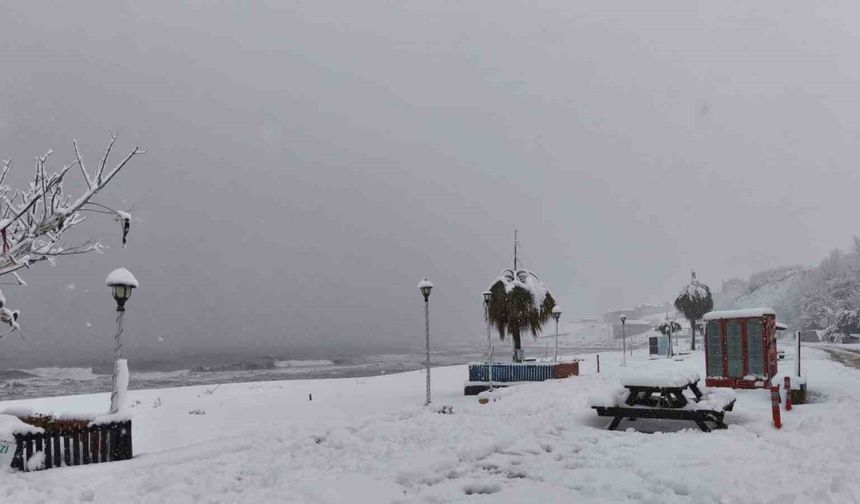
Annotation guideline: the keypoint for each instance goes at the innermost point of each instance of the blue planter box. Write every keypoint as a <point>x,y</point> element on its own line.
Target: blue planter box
<point>512,372</point>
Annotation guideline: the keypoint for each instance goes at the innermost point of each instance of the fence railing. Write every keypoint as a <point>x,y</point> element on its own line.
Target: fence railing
<point>72,443</point>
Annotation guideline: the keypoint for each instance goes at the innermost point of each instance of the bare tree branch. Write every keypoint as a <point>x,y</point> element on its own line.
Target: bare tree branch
<point>81,164</point>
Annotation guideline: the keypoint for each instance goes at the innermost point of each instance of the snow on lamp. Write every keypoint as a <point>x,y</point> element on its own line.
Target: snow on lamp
<point>425,286</point>
<point>121,283</point>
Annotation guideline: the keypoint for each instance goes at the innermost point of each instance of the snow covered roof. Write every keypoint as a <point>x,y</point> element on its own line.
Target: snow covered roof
<point>743,313</point>
<point>781,327</point>
<point>121,276</point>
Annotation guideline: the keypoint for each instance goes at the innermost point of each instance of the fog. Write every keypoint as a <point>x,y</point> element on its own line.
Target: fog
<point>307,163</point>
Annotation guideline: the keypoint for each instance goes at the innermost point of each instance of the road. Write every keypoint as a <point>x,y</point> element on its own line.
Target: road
<point>846,356</point>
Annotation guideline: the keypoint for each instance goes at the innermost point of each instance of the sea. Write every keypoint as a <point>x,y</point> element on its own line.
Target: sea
<point>182,369</point>
<point>213,369</point>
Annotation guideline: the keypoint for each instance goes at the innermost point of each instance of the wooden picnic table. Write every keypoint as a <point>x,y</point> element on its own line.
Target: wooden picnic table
<point>666,402</point>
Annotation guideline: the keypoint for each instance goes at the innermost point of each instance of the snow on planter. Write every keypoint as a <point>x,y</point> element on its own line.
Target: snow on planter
<point>9,426</point>
<point>513,373</point>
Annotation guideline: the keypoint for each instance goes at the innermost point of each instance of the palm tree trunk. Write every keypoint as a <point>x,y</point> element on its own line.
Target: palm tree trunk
<point>515,335</point>
<point>693,336</point>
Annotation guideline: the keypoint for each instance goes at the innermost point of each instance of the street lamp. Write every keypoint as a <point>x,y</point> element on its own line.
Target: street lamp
<point>425,286</point>
<point>488,296</point>
<point>623,341</point>
<point>121,283</point>
<point>556,314</point>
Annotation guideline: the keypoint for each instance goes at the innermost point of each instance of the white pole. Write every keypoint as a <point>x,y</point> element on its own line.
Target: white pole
<point>117,354</point>
<point>624,345</point>
<point>427,342</point>
<point>489,346</point>
<point>555,355</point>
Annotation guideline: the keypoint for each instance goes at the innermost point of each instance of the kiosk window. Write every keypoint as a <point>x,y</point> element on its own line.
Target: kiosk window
<point>713,341</point>
<point>734,349</point>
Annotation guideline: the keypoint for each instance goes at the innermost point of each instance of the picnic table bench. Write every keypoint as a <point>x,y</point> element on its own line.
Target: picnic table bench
<point>662,397</point>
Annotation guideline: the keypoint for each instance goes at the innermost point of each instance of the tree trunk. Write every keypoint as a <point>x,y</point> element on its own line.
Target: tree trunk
<point>515,335</point>
<point>692,336</point>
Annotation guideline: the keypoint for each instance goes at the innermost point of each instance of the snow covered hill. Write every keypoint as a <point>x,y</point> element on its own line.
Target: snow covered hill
<point>370,440</point>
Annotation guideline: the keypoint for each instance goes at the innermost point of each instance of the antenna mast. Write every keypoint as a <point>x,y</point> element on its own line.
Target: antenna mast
<point>515,250</point>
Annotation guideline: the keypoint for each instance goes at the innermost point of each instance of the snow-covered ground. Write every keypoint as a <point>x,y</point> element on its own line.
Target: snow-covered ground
<point>370,440</point>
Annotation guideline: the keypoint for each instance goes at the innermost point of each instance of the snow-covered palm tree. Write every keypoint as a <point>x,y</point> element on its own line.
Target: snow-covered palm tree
<point>694,302</point>
<point>519,302</point>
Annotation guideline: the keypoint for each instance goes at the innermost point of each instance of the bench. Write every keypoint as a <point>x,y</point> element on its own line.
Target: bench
<point>664,399</point>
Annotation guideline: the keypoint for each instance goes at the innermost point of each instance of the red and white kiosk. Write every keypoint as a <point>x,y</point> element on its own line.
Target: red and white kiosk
<point>740,348</point>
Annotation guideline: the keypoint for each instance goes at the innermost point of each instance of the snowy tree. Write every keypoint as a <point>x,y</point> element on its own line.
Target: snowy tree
<point>36,218</point>
<point>694,302</point>
<point>668,327</point>
<point>520,302</point>
<point>847,323</point>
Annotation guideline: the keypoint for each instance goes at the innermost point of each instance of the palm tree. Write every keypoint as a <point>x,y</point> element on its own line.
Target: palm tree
<point>694,302</point>
<point>667,328</point>
<point>519,302</point>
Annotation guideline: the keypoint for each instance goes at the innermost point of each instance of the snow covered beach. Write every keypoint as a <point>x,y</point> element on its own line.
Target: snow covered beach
<point>371,440</point>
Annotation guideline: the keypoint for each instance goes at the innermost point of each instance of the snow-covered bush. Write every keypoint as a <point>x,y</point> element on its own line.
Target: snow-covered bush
<point>847,323</point>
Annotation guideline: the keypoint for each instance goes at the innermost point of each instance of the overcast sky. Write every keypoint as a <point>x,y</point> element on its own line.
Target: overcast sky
<point>307,163</point>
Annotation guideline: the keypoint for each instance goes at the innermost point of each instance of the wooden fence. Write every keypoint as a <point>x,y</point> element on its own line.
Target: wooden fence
<point>73,443</point>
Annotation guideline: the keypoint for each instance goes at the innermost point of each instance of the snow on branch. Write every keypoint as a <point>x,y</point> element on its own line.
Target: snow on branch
<point>35,219</point>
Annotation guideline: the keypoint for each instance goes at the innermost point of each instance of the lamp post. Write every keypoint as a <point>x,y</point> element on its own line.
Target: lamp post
<point>623,341</point>
<point>425,286</point>
<point>488,296</point>
<point>556,314</point>
<point>669,352</point>
<point>121,283</point>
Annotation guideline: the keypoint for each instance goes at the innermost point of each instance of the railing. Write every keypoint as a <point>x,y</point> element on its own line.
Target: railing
<point>71,443</point>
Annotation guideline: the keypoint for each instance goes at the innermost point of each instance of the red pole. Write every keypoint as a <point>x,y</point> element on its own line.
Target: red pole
<point>598,363</point>
<point>787,393</point>
<point>774,401</point>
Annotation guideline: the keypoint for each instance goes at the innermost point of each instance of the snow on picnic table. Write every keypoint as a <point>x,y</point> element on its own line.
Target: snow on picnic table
<point>370,440</point>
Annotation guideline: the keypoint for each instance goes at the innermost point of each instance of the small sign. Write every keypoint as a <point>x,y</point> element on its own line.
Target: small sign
<point>7,452</point>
